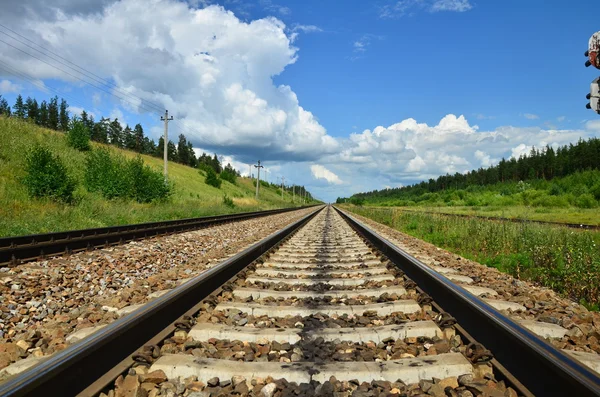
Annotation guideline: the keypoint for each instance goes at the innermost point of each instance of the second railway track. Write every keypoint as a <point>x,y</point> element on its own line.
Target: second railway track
<point>334,310</point>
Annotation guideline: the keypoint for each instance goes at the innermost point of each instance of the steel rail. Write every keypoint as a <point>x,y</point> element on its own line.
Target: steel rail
<point>543,369</point>
<point>70,371</point>
<point>18,249</point>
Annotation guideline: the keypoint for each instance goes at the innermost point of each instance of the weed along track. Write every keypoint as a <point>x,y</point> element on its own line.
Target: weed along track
<point>323,307</point>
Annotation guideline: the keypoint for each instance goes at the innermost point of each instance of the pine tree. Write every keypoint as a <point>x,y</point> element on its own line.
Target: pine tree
<point>33,111</point>
<point>84,119</point>
<point>100,131</point>
<point>64,115</point>
<point>216,164</point>
<point>19,108</point>
<point>192,161</point>
<point>158,152</point>
<point>128,138</point>
<point>90,124</point>
<point>4,107</point>
<point>172,152</point>
<point>138,135</point>
<point>182,150</point>
<point>149,147</point>
<point>27,106</point>
<point>44,116</point>
<point>53,116</point>
<point>115,133</point>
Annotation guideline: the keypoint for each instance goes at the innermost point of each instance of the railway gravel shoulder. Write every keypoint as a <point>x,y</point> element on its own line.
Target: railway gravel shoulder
<point>44,304</point>
<point>567,325</point>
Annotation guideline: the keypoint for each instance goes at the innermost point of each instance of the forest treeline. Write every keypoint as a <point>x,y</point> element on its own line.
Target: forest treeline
<point>540,164</point>
<point>55,115</point>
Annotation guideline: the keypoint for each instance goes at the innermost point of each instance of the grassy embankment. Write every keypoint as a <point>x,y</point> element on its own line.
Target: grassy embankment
<point>564,259</point>
<point>20,214</point>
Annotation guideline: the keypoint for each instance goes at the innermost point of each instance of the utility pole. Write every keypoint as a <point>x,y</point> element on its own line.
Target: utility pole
<point>282,179</point>
<point>166,119</point>
<point>293,193</point>
<point>258,167</point>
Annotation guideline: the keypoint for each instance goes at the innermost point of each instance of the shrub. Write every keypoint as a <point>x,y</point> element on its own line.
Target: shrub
<point>103,174</point>
<point>212,179</point>
<point>228,175</point>
<point>595,190</point>
<point>586,200</point>
<point>357,201</point>
<point>555,190</point>
<point>146,185</point>
<point>117,177</point>
<point>47,176</point>
<point>227,201</point>
<point>79,136</point>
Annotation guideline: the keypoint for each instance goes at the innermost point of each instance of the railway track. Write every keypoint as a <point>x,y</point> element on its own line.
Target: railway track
<point>332,309</point>
<point>15,250</point>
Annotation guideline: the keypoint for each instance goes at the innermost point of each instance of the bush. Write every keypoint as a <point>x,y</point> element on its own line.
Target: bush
<point>228,201</point>
<point>595,190</point>
<point>555,190</point>
<point>228,175</point>
<point>103,174</point>
<point>146,185</point>
<point>117,177</point>
<point>586,200</point>
<point>212,179</point>
<point>47,176</point>
<point>79,136</point>
<point>357,201</point>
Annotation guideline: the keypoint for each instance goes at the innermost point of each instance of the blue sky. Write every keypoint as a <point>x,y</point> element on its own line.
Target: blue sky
<point>342,99</point>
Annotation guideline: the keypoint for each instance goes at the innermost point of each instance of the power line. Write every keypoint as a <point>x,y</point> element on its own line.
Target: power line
<point>182,126</point>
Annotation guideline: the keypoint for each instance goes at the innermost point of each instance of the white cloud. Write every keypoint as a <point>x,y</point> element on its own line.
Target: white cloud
<point>531,116</point>
<point>307,28</point>
<point>451,5</point>
<point>401,8</point>
<point>560,118</point>
<point>593,125</point>
<point>6,86</point>
<point>359,47</point>
<point>212,71</point>
<point>320,172</point>
<point>76,111</point>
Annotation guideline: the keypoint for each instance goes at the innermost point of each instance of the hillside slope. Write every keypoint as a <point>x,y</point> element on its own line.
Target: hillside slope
<point>19,214</point>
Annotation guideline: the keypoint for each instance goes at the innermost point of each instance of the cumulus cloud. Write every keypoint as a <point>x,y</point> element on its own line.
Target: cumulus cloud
<point>7,86</point>
<point>410,7</point>
<point>320,172</point>
<point>409,151</point>
<point>212,71</point>
<point>531,116</point>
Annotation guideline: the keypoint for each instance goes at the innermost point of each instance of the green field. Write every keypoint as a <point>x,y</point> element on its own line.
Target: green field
<point>564,259</point>
<point>20,214</point>
<point>545,214</point>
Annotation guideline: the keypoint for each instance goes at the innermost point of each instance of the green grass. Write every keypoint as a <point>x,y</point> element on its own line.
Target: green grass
<point>562,215</point>
<point>566,260</point>
<point>20,214</point>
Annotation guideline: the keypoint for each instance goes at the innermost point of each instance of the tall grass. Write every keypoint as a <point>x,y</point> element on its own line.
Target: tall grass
<point>563,259</point>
